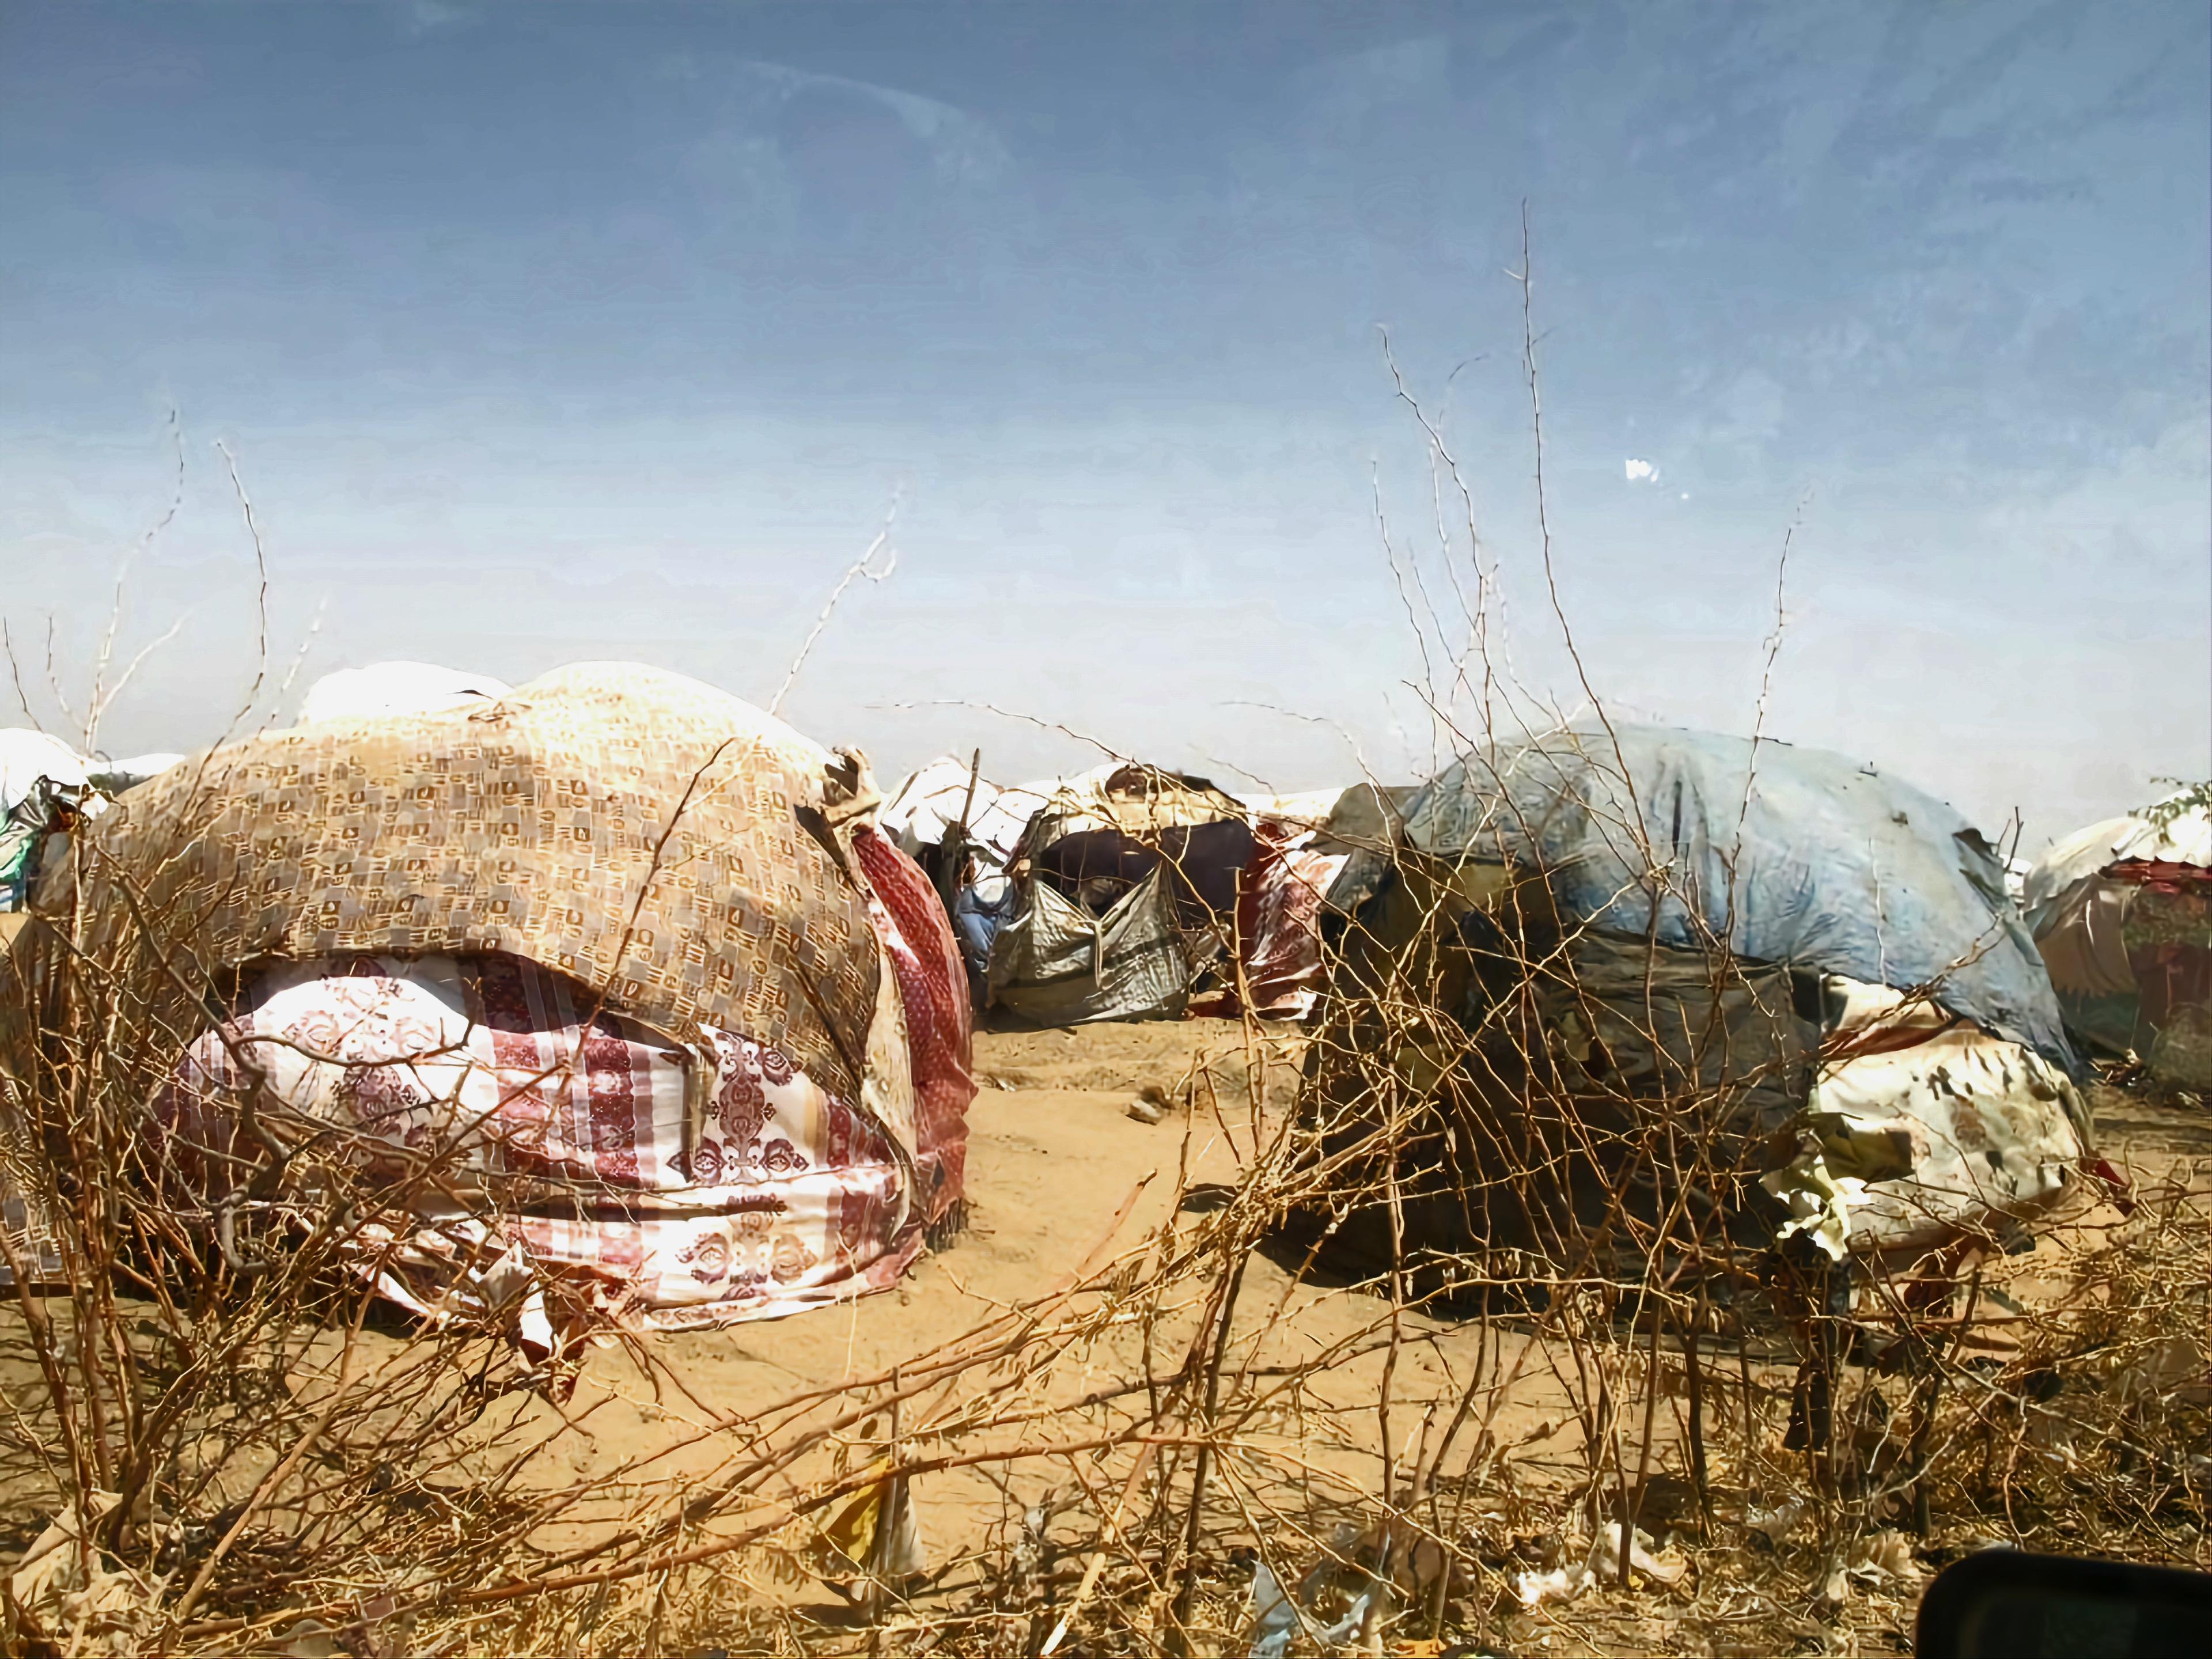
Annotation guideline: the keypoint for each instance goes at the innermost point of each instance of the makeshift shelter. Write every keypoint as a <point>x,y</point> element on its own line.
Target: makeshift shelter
<point>1815,967</point>
<point>948,808</point>
<point>1118,877</point>
<point>2122,911</point>
<point>963,829</point>
<point>1137,893</point>
<point>627,953</point>
<point>46,787</point>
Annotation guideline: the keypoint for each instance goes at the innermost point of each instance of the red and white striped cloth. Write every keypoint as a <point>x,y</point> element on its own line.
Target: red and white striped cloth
<point>1278,909</point>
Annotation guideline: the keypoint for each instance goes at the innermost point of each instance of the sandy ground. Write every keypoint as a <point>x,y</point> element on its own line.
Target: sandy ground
<point>1060,1172</point>
<point>1055,1159</point>
<point>1053,1156</point>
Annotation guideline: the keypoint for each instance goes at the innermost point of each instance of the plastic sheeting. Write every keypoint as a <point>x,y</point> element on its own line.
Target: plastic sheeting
<point>1793,856</point>
<point>932,801</point>
<point>2120,911</point>
<point>1261,862</point>
<point>2082,933</point>
<point>2175,830</point>
<point>1056,964</point>
<point>1921,1128</point>
<point>1659,1022</point>
<point>1115,859</point>
<point>27,756</point>
<point>387,688</point>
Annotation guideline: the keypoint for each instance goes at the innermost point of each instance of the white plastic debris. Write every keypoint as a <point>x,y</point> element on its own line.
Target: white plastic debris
<point>1877,1558</point>
<point>388,689</point>
<point>1605,1557</point>
<point>1779,1524</point>
<point>1882,1555</point>
<point>28,757</point>
<point>1278,1620</point>
<point>1560,1584</point>
<point>1820,1203</point>
<point>1602,1562</point>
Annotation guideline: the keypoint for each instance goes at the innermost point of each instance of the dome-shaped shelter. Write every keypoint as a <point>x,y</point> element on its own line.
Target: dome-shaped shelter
<point>1649,974</point>
<point>608,980</point>
<point>2122,911</point>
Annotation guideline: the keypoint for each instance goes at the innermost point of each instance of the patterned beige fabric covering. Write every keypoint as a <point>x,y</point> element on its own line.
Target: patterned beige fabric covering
<point>538,826</point>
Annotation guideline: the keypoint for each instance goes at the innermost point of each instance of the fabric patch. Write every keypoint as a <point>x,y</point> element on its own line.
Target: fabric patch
<point>559,1132</point>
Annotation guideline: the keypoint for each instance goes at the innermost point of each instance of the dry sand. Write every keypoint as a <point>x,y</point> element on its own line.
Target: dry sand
<point>1059,1173</point>
<point>1054,1157</point>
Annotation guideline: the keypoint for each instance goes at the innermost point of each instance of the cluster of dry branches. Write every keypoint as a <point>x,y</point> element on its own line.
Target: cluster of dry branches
<point>1476,1342</point>
<point>1467,1347</point>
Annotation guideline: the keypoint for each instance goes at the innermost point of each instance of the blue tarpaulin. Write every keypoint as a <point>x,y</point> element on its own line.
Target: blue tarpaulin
<point>1824,864</point>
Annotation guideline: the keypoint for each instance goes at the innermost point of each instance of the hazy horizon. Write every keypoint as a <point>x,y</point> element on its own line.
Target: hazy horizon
<point>551,333</point>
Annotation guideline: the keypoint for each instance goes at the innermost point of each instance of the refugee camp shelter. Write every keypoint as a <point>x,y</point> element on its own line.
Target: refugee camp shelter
<point>1122,875</point>
<point>2122,911</point>
<point>44,786</point>
<point>1808,971</point>
<point>1139,893</point>
<point>947,809</point>
<point>624,957</point>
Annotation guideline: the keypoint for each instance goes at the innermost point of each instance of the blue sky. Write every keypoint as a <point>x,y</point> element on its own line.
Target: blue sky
<point>550,331</point>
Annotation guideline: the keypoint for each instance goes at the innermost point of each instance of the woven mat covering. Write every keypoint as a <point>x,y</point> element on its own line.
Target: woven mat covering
<point>539,826</point>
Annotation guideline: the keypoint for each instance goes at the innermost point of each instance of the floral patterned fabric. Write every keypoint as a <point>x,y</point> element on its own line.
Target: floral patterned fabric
<point>556,1164</point>
<point>522,1126</point>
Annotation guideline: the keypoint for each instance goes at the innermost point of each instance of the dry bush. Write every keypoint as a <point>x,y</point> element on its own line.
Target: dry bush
<point>251,1450</point>
<point>1558,1321</point>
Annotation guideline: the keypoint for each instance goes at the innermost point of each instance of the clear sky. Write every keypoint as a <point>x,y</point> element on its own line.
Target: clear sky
<point>542,332</point>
